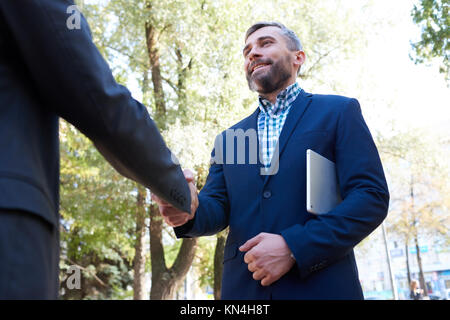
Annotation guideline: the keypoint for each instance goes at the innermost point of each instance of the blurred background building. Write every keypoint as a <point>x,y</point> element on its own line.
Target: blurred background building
<point>374,269</point>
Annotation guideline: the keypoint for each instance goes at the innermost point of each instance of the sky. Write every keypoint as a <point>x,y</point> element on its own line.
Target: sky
<point>389,86</point>
<point>414,96</point>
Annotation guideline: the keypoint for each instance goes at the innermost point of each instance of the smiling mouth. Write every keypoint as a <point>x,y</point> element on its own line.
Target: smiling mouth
<point>259,66</point>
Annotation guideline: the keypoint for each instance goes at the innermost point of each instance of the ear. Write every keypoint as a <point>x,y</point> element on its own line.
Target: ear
<point>299,58</point>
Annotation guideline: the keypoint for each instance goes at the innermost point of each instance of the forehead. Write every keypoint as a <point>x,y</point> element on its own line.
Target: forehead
<point>271,31</point>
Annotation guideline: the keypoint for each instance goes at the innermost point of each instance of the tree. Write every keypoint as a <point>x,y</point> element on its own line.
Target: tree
<point>97,209</point>
<point>186,59</point>
<point>433,18</point>
<point>419,190</point>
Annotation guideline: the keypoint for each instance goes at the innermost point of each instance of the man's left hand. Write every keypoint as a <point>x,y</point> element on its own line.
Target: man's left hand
<point>268,257</point>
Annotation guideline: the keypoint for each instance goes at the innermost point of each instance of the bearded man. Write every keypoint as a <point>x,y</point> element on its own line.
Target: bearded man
<point>276,249</point>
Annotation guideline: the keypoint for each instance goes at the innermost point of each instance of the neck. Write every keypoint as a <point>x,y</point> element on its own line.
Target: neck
<point>272,96</point>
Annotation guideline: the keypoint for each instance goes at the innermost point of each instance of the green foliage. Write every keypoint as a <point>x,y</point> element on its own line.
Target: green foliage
<point>418,182</point>
<point>200,45</point>
<point>97,211</point>
<point>204,261</point>
<point>433,18</point>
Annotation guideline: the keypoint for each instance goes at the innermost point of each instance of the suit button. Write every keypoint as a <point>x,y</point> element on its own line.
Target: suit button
<point>267,194</point>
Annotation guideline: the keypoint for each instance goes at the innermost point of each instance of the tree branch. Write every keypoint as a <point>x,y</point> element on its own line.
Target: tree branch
<point>87,271</point>
<point>139,61</point>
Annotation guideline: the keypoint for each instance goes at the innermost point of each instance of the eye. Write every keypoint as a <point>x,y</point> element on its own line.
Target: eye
<point>266,42</point>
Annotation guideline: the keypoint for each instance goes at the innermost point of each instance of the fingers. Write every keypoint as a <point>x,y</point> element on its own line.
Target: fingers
<point>267,257</point>
<point>250,243</point>
<point>266,277</point>
<point>190,179</point>
<point>189,175</point>
<point>192,188</point>
<point>267,281</point>
<point>252,267</point>
<point>173,217</point>
<point>176,221</point>
<point>261,274</point>
<point>258,273</point>
<point>249,257</point>
<point>194,198</point>
<point>249,246</point>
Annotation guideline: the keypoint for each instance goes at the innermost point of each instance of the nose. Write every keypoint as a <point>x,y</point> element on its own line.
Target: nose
<point>254,54</point>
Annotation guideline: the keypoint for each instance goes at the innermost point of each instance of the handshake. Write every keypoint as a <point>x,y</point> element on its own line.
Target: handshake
<point>175,217</point>
<point>267,255</point>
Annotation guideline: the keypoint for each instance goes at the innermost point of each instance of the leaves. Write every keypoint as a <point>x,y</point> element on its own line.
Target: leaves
<point>418,183</point>
<point>199,46</point>
<point>433,18</point>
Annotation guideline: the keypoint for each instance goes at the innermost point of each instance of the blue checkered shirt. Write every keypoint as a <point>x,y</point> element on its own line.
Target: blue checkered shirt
<point>271,120</point>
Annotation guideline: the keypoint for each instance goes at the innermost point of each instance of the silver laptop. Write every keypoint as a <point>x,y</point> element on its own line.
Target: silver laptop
<point>322,189</point>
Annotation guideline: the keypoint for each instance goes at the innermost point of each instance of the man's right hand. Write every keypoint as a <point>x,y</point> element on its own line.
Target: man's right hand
<point>173,216</point>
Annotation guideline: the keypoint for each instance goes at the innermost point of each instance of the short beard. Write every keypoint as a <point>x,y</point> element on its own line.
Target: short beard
<point>272,80</point>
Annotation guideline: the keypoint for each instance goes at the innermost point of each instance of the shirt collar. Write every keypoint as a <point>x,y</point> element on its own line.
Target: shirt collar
<point>284,100</point>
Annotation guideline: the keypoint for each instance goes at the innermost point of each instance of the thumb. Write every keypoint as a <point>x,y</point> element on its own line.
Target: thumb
<point>189,175</point>
<point>250,243</point>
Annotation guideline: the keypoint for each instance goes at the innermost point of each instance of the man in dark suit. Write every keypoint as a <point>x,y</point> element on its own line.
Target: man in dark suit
<point>47,71</point>
<point>275,248</point>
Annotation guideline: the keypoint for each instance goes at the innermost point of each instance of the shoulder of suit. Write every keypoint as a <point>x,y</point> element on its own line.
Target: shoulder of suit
<point>335,102</point>
<point>330,98</point>
<point>332,101</point>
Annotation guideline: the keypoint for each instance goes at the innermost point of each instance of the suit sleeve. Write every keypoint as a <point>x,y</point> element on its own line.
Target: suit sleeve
<point>212,215</point>
<point>75,82</point>
<point>328,237</point>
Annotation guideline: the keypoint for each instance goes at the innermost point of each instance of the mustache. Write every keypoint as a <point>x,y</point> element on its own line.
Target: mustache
<point>256,62</point>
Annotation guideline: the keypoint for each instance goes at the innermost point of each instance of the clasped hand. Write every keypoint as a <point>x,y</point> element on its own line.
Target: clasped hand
<point>267,255</point>
<point>175,217</point>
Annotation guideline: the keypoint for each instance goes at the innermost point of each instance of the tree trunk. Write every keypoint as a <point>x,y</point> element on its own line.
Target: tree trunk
<point>158,261</point>
<point>154,56</point>
<point>419,263</point>
<point>182,73</point>
<point>408,271</point>
<point>139,256</point>
<point>218,264</point>
<point>165,281</point>
<point>416,241</point>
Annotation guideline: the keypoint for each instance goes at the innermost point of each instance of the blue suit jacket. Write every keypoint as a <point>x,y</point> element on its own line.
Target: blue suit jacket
<point>49,71</point>
<point>238,196</point>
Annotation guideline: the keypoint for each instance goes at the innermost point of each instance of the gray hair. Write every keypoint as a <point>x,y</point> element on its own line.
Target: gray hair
<point>293,42</point>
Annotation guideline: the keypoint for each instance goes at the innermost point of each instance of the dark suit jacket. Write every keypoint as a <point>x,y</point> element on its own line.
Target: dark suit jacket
<point>48,71</point>
<point>236,195</point>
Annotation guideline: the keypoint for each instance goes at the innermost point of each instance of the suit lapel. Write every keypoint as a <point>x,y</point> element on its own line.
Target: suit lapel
<point>295,114</point>
<point>252,123</point>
